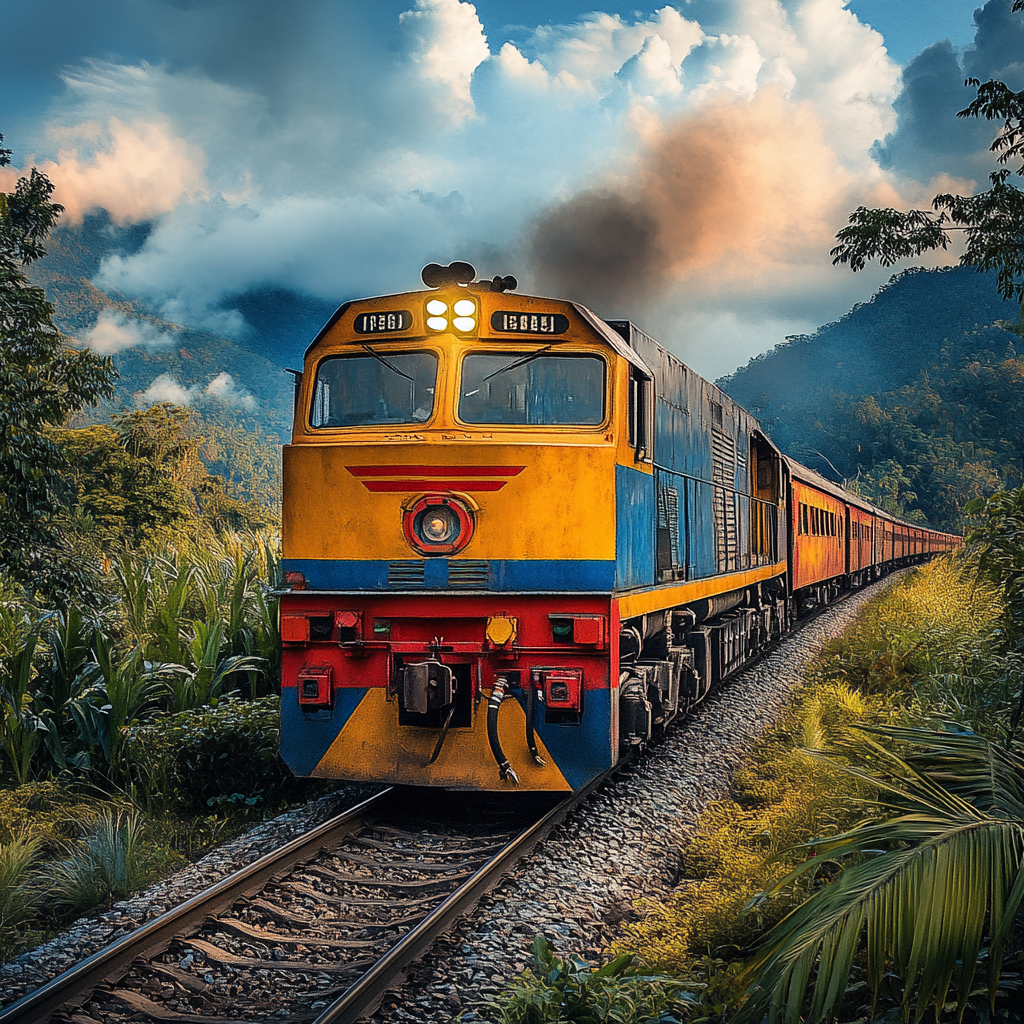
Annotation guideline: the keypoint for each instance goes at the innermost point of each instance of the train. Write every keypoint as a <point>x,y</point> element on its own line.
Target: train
<point>519,540</point>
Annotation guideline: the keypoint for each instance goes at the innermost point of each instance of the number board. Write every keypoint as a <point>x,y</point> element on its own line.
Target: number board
<point>383,323</point>
<point>529,323</point>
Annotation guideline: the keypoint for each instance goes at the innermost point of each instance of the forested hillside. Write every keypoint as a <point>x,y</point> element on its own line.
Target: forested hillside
<point>916,398</point>
<point>238,401</point>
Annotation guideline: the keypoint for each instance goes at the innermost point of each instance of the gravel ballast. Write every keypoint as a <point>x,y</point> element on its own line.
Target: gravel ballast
<point>91,933</point>
<point>620,845</point>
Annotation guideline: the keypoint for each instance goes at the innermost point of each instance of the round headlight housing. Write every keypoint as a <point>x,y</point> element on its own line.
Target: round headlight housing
<point>437,524</point>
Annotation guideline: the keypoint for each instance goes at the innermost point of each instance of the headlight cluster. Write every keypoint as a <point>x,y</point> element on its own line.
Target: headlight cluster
<point>461,315</point>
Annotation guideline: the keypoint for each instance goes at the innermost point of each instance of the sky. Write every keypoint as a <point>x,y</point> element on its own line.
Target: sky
<point>685,166</point>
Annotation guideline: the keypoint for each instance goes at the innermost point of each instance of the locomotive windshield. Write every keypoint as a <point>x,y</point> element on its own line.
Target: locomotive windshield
<point>356,391</point>
<point>535,389</point>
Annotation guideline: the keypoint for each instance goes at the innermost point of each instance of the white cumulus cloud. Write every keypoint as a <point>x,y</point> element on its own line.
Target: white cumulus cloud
<point>223,389</point>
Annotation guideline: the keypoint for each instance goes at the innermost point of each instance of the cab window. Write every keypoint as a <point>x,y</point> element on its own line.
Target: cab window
<point>532,389</point>
<point>386,387</point>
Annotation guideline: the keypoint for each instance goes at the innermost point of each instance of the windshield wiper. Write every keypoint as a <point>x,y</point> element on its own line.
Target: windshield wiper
<point>523,361</point>
<point>390,366</point>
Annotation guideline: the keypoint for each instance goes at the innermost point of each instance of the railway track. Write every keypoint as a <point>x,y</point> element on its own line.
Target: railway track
<point>314,932</point>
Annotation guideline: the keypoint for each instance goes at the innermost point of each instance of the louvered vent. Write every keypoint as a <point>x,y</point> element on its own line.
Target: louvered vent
<point>406,573</point>
<point>469,574</point>
<point>723,457</point>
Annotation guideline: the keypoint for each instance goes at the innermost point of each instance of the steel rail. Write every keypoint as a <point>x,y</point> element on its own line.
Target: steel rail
<point>77,983</point>
<point>365,994</point>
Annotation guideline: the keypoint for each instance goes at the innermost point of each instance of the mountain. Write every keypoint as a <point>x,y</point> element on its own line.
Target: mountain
<point>915,397</point>
<point>182,361</point>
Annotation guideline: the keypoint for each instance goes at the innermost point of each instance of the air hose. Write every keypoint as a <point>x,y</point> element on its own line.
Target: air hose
<point>493,707</point>
<point>531,710</point>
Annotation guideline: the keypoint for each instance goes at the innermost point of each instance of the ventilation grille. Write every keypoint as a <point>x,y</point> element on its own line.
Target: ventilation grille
<point>406,573</point>
<point>723,457</point>
<point>469,574</point>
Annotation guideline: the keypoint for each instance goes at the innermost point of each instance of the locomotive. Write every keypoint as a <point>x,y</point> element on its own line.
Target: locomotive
<point>519,540</point>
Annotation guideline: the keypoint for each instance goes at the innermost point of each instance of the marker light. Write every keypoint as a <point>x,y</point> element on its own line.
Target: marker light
<point>435,307</point>
<point>437,323</point>
<point>464,307</point>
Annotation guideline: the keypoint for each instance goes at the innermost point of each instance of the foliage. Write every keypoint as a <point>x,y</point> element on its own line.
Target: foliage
<point>993,221</point>
<point>570,990</point>
<point>933,876</point>
<point>42,381</point>
<point>223,756</point>
<point>739,846</point>
<point>915,399</point>
<point>18,898</point>
<point>109,863</point>
<point>143,479</point>
<point>21,727</point>
<point>929,649</point>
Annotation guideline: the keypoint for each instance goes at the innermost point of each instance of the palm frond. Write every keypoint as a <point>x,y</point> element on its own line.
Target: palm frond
<point>932,878</point>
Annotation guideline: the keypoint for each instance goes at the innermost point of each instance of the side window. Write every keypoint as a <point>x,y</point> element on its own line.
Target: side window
<point>641,414</point>
<point>803,518</point>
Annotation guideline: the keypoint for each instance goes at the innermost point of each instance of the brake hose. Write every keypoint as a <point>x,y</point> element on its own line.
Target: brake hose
<point>531,710</point>
<point>493,707</point>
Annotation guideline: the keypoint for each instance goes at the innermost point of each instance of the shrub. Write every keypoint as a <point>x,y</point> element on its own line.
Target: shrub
<point>738,846</point>
<point>572,990</point>
<point>18,899</point>
<point>223,756</point>
<point>927,650</point>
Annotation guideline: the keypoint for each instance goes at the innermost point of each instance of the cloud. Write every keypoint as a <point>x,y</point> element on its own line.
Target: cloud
<point>928,135</point>
<point>446,44</point>
<point>166,388</point>
<point>225,390</point>
<point>114,332</point>
<point>134,171</point>
<point>222,388</point>
<point>690,165</point>
<point>730,192</point>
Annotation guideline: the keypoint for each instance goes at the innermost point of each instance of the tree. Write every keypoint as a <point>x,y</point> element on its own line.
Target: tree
<point>993,220</point>
<point>143,480</point>
<point>43,380</point>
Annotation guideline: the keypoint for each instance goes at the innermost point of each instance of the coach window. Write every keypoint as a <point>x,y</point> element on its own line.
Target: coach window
<point>380,388</point>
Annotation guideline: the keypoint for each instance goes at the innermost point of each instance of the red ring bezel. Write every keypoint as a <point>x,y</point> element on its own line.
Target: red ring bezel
<point>467,524</point>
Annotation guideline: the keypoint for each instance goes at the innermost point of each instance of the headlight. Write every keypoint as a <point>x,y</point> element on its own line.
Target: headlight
<point>437,524</point>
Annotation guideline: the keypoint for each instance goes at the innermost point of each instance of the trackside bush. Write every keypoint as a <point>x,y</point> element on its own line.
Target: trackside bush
<point>223,756</point>
<point>573,991</point>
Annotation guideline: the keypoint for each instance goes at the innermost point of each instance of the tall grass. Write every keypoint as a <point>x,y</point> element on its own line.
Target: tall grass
<point>182,627</point>
<point>108,864</point>
<point>19,899</point>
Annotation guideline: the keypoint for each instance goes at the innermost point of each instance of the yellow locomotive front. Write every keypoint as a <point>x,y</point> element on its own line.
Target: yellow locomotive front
<point>449,531</point>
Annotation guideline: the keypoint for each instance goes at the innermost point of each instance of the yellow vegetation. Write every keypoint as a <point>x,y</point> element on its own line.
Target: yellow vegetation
<point>937,620</point>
